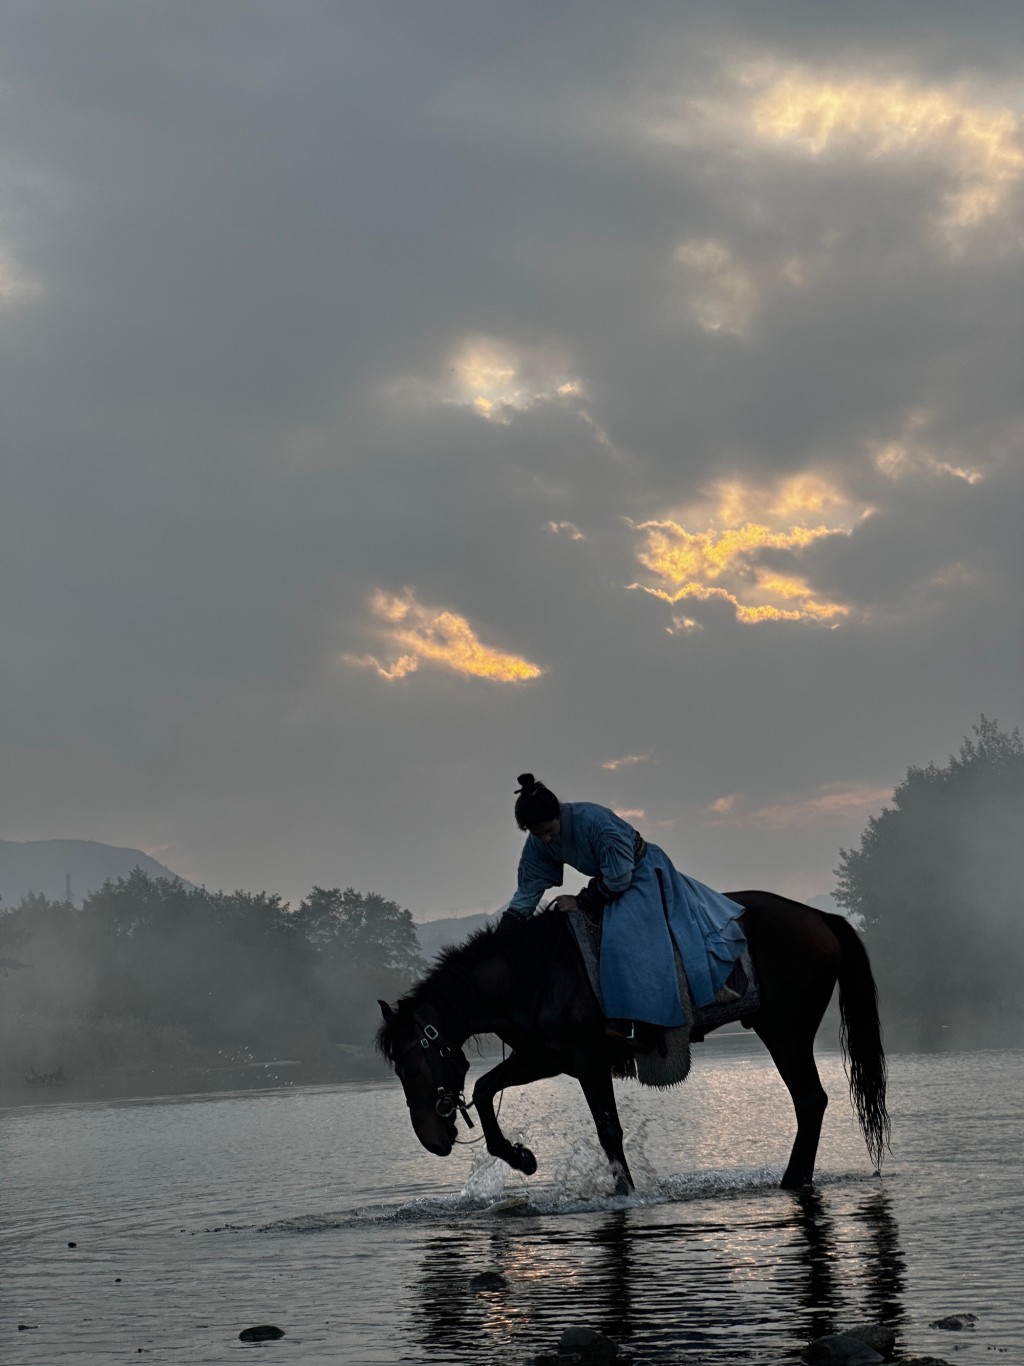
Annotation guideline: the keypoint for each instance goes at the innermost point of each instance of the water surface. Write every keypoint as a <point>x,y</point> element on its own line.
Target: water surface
<point>314,1208</point>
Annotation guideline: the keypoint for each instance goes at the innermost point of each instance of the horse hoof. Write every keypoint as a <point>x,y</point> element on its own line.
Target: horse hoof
<point>522,1159</point>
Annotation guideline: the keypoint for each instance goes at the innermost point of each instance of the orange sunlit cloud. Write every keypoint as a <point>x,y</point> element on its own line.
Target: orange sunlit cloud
<point>627,761</point>
<point>834,804</point>
<point>981,147</point>
<point>721,561</point>
<point>435,636</point>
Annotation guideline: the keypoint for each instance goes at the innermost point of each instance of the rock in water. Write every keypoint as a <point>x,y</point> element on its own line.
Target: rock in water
<point>840,1349</point>
<point>263,1332</point>
<point>877,1336</point>
<point>488,1280</point>
<point>587,1345</point>
<point>954,1322</point>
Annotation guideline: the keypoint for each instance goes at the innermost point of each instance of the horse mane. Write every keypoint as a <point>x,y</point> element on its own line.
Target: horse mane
<point>527,948</point>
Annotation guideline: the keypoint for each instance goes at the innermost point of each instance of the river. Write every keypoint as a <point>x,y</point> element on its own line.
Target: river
<point>313,1208</point>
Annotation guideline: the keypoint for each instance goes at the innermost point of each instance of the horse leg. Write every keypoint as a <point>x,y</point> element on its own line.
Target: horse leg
<point>794,1057</point>
<point>516,1070</point>
<point>596,1081</point>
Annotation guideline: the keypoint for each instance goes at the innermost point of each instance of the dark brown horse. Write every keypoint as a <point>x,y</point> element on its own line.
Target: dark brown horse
<point>527,984</point>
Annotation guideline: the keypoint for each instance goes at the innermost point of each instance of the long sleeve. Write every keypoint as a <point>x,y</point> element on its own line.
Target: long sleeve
<point>539,869</point>
<point>616,856</point>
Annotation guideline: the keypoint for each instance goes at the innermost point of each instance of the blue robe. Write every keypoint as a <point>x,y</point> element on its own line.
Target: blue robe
<point>638,976</point>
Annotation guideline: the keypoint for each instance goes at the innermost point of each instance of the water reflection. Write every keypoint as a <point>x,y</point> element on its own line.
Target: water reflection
<point>665,1280</point>
<point>871,1260</point>
<point>885,1265</point>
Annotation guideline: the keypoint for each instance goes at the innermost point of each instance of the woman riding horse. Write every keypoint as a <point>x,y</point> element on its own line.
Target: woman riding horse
<point>647,904</point>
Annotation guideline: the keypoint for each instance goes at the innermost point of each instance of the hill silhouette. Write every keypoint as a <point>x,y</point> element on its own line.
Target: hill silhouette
<point>44,866</point>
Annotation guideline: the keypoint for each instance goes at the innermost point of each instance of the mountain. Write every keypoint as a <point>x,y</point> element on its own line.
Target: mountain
<point>45,866</point>
<point>434,935</point>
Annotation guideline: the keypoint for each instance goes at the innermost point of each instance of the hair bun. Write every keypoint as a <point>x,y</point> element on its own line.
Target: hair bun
<point>527,782</point>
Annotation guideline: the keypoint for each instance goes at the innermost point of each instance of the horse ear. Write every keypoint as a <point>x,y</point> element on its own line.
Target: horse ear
<point>386,1011</point>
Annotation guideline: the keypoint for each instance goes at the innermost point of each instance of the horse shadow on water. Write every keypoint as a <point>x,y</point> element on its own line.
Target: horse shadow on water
<point>625,1274</point>
<point>528,985</point>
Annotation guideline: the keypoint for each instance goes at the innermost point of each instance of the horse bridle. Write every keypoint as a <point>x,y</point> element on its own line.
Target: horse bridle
<point>439,1057</point>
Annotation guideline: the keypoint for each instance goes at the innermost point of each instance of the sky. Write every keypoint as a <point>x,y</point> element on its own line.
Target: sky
<point>397,397</point>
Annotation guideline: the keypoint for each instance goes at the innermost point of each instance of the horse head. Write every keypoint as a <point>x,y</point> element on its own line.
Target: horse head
<point>430,1067</point>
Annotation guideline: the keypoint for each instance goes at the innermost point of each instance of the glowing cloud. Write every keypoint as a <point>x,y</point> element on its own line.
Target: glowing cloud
<point>570,529</point>
<point>627,761</point>
<point>722,562</point>
<point>833,804</point>
<point>982,148</point>
<point>435,636</point>
<point>495,379</point>
<point>909,455</point>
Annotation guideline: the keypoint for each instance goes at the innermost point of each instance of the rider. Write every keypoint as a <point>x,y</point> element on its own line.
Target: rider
<point>646,904</point>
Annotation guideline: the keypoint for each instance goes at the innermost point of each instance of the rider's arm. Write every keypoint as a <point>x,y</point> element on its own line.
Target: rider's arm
<point>538,870</point>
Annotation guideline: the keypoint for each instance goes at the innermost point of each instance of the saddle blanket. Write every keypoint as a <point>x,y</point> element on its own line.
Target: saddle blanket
<point>669,1064</point>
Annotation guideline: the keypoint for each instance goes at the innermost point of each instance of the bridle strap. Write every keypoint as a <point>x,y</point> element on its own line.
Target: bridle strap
<point>431,1041</point>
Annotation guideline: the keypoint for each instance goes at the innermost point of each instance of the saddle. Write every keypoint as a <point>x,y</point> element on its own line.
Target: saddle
<point>668,1063</point>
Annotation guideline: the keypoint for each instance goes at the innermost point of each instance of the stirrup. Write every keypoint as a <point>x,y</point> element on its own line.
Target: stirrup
<point>622,1031</point>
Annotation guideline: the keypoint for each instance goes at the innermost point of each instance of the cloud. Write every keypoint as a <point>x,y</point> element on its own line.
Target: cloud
<point>910,455</point>
<point>627,761</point>
<point>496,379</point>
<point>726,292</point>
<point>569,528</point>
<point>979,147</point>
<point>834,804</point>
<point>726,562</point>
<point>436,636</point>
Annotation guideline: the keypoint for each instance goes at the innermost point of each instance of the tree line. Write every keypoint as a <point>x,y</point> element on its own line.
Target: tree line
<point>938,883</point>
<point>149,971</point>
<point>152,971</point>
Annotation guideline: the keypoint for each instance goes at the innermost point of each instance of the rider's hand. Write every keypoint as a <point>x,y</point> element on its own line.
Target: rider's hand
<point>563,903</point>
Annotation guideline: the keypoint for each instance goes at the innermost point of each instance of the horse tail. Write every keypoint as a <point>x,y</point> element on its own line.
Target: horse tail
<point>860,1036</point>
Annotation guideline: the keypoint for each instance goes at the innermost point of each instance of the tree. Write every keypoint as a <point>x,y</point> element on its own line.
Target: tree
<point>939,880</point>
<point>360,930</point>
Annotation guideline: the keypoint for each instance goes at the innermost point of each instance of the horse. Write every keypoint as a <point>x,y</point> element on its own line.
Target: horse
<point>527,983</point>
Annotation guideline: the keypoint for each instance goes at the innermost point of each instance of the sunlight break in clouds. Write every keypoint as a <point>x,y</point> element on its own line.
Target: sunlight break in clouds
<point>436,636</point>
<point>983,148</point>
<point>627,761</point>
<point>496,379</point>
<point>721,562</point>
